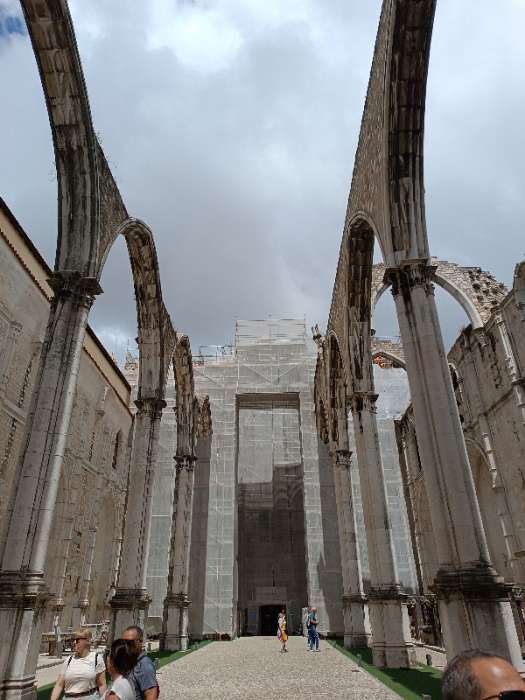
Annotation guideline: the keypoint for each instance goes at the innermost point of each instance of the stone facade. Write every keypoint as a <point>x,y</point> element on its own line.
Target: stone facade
<point>263,439</point>
<point>86,531</point>
<point>263,532</point>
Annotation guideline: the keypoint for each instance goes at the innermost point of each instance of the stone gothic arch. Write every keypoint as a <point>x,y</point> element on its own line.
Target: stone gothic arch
<point>475,290</point>
<point>184,398</point>
<point>90,207</point>
<point>387,200</point>
<point>91,214</point>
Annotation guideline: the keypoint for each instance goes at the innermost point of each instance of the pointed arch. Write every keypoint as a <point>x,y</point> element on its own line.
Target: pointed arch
<point>156,336</point>
<point>336,391</point>
<point>89,203</point>
<point>185,398</point>
<point>360,275</point>
<point>475,290</point>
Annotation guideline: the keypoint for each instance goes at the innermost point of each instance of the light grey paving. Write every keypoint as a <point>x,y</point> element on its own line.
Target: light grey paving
<point>253,667</point>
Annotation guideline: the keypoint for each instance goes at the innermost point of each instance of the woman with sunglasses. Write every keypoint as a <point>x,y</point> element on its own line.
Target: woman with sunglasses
<point>120,660</point>
<point>83,674</point>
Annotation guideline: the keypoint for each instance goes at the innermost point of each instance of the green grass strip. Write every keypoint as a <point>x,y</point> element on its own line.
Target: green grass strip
<point>409,683</point>
<point>164,657</point>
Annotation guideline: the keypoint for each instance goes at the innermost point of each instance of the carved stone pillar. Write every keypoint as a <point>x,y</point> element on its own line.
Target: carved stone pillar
<point>474,602</point>
<point>23,591</point>
<point>131,600</point>
<point>59,600</point>
<point>175,618</point>
<point>387,603</point>
<point>85,583</point>
<point>355,610</point>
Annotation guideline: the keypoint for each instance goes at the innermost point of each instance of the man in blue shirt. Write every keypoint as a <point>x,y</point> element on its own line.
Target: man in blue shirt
<point>143,675</point>
<point>313,636</point>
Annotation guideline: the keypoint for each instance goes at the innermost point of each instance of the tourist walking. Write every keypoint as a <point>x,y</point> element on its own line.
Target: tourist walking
<point>281,630</point>
<point>120,661</point>
<point>83,674</point>
<point>143,674</point>
<point>313,635</point>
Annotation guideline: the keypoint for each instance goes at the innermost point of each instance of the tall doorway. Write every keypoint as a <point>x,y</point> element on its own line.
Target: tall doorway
<point>271,534</point>
<point>268,615</point>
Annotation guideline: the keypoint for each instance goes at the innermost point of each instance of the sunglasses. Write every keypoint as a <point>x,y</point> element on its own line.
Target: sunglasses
<point>80,639</point>
<point>508,695</point>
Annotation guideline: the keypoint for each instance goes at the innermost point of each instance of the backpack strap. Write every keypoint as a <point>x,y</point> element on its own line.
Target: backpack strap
<point>69,661</point>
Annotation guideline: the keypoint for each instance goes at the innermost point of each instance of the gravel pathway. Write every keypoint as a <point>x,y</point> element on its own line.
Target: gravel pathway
<point>253,667</point>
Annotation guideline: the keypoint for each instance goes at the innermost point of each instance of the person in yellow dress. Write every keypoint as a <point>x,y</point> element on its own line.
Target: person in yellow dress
<point>281,630</point>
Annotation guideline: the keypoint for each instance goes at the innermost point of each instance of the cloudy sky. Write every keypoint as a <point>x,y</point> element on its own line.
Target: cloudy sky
<point>231,128</point>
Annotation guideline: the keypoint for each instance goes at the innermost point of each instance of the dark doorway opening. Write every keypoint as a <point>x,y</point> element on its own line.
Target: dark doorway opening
<point>268,617</point>
<point>271,517</point>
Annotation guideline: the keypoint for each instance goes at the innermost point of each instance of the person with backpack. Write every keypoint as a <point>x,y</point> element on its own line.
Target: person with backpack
<point>143,675</point>
<point>83,674</point>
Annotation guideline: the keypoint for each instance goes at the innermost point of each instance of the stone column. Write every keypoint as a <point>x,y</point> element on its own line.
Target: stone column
<point>59,600</point>
<point>85,582</point>
<point>406,457</point>
<point>130,603</point>
<point>175,618</point>
<point>58,604</point>
<point>387,603</point>
<point>355,610</point>
<point>23,591</point>
<point>474,602</point>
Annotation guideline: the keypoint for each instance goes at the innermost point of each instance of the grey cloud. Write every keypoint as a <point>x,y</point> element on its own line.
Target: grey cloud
<point>243,173</point>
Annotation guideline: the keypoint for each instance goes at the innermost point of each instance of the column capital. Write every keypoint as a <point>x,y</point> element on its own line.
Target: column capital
<point>343,459</point>
<point>471,582</point>
<point>410,274</point>
<point>23,590</point>
<point>177,600</point>
<point>394,592</point>
<point>130,599</point>
<point>353,598</point>
<point>184,462</point>
<point>71,284</point>
<point>151,406</point>
<point>363,401</point>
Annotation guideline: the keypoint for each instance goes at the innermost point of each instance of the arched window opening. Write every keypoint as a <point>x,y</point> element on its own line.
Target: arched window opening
<point>114,315</point>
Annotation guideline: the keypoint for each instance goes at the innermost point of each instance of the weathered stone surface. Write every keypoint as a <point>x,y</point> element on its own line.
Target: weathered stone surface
<point>83,564</point>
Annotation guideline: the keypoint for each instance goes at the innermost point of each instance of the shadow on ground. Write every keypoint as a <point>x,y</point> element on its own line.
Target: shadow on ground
<point>408,683</point>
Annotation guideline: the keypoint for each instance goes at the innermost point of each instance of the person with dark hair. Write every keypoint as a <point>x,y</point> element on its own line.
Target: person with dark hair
<point>120,661</point>
<point>480,675</point>
<point>143,674</point>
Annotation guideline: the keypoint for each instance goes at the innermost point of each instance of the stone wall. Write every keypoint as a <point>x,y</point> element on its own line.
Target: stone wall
<point>82,565</point>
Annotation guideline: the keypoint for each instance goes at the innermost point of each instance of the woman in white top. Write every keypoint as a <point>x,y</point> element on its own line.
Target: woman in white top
<point>83,674</point>
<point>121,659</point>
